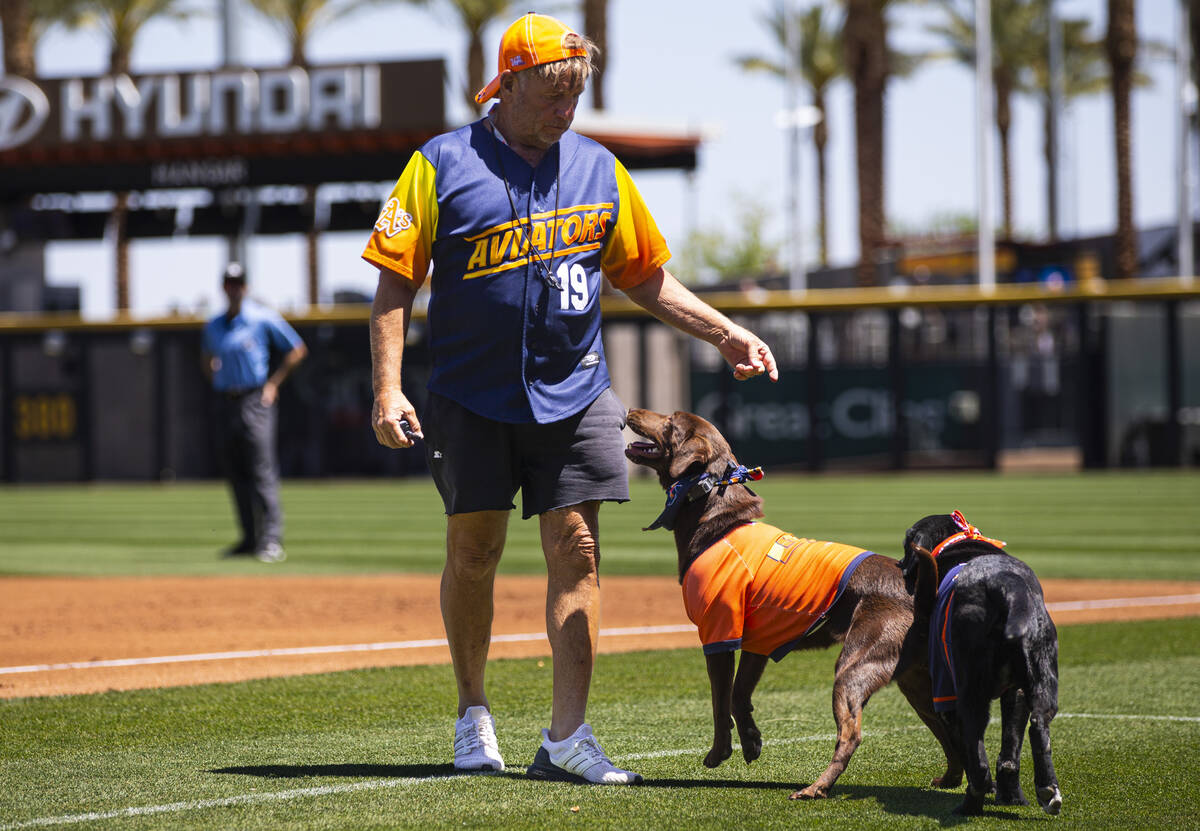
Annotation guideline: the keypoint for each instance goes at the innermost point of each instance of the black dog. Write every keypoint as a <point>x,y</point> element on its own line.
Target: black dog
<point>871,614</point>
<point>990,637</point>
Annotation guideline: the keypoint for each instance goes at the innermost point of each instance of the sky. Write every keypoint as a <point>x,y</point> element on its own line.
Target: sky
<point>670,62</point>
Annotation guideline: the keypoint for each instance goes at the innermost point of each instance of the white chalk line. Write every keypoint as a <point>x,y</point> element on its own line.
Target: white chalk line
<point>320,650</point>
<point>326,790</point>
<point>377,784</point>
<point>1131,717</point>
<point>384,646</point>
<point>1122,603</point>
<point>224,802</point>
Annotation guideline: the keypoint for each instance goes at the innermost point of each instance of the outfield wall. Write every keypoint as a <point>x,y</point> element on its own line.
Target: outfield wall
<point>870,379</point>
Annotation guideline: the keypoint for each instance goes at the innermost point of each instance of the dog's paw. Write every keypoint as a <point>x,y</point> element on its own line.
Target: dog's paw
<point>717,755</point>
<point>948,781</point>
<point>813,791</point>
<point>1010,796</point>
<point>1008,785</point>
<point>1050,798</point>
<point>751,741</point>
<point>972,804</point>
<point>970,807</point>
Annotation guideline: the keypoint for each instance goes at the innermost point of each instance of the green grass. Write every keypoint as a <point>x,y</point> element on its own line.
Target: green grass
<point>369,749</point>
<point>1113,524</point>
<point>1124,747</point>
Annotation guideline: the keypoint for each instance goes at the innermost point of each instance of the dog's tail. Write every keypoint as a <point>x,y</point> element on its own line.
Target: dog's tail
<point>925,591</point>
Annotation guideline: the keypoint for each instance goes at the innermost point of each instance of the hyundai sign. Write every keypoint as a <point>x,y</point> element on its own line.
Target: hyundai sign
<point>290,125</point>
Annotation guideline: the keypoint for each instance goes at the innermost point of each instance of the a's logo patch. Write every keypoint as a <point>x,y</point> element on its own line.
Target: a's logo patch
<point>516,60</point>
<point>393,219</point>
<point>590,360</point>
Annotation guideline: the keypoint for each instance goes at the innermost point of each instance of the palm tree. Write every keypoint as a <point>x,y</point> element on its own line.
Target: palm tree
<point>820,62</point>
<point>475,16</point>
<point>870,63</point>
<point>1082,71</point>
<point>18,37</point>
<point>1015,48</point>
<point>121,21</point>
<point>298,20</point>
<point>595,26</point>
<point>1121,44</point>
<point>864,38</point>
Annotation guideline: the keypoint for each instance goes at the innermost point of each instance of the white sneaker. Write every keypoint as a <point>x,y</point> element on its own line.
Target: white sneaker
<point>272,552</point>
<point>475,746</point>
<point>578,758</point>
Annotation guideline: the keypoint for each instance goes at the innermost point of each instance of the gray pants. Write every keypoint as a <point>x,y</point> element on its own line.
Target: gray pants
<point>247,430</point>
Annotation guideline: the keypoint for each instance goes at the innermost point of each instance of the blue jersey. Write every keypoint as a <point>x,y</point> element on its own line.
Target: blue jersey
<point>506,343</point>
<point>242,345</point>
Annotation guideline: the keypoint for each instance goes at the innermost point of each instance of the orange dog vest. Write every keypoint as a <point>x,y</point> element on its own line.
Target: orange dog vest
<point>762,590</point>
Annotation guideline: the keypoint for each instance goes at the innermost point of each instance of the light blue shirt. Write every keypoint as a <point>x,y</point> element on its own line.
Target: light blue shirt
<point>242,345</point>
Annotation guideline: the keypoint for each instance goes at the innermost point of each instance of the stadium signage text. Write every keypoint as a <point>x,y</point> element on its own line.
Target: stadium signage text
<point>24,109</point>
<point>240,102</point>
<point>229,127</point>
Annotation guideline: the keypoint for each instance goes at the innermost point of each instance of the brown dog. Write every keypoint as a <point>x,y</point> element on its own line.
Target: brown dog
<point>871,612</point>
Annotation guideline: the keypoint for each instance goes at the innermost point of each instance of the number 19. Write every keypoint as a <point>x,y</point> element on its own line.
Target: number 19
<point>574,291</point>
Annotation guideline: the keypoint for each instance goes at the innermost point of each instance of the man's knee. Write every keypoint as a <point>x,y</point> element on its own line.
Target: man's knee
<point>571,546</point>
<point>472,559</point>
<point>474,543</point>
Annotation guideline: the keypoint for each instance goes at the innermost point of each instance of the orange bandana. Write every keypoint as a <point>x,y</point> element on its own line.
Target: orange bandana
<point>968,532</point>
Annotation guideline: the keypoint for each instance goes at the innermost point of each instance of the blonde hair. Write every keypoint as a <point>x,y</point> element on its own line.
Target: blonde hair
<point>572,72</point>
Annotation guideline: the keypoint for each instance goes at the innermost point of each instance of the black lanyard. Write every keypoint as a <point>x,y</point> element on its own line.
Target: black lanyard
<point>547,274</point>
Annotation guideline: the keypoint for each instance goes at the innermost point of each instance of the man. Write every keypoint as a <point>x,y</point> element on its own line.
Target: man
<point>522,218</point>
<point>237,353</point>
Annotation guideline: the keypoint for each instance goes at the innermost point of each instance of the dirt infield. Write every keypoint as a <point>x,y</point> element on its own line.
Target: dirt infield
<point>177,631</point>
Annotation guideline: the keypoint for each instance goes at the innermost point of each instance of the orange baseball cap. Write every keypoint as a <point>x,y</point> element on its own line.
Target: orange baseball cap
<point>532,40</point>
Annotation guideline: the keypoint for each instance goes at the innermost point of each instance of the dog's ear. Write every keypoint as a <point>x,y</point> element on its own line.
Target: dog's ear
<point>908,562</point>
<point>925,556</point>
<point>696,450</point>
<point>921,576</point>
<point>923,580</point>
<point>923,533</point>
<point>912,538</point>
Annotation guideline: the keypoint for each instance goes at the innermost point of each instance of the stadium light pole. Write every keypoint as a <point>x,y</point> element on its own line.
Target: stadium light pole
<point>1054,47</point>
<point>231,57</point>
<point>797,278</point>
<point>229,34</point>
<point>986,237</point>
<point>1185,183</point>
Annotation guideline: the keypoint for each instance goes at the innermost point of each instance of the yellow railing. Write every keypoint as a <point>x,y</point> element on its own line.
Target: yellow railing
<point>620,307</point>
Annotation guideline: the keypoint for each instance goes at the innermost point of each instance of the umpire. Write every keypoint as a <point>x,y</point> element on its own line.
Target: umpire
<point>238,345</point>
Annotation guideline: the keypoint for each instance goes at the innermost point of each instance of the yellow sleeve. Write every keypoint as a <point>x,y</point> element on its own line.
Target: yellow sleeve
<point>634,249</point>
<point>402,240</point>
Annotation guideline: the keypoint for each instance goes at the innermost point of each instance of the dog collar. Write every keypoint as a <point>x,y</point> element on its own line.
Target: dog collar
<point>967,532</point>
<point>694,488</point>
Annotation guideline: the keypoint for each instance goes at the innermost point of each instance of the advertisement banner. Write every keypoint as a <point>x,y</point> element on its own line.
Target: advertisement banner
<point>853,417</point>
<point>230,127</point>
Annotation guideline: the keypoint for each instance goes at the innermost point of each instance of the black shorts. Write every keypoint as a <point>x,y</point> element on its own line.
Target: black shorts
<point>480,464</point>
